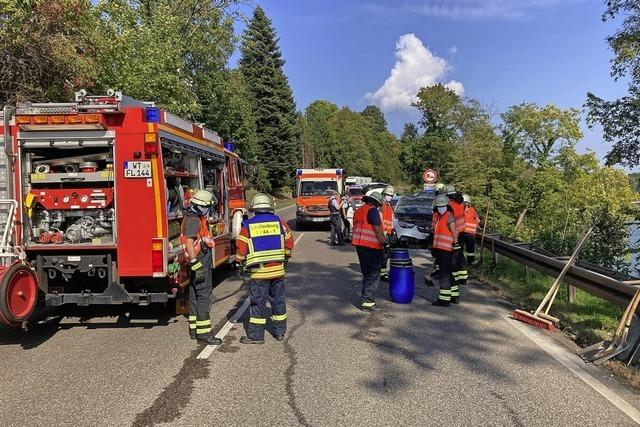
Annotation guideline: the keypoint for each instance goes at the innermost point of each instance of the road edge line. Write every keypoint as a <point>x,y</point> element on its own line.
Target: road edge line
<point>209,349</point>
<point>563,358</point>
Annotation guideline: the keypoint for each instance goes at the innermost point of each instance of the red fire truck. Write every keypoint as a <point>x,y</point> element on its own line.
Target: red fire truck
<point>92,194</point>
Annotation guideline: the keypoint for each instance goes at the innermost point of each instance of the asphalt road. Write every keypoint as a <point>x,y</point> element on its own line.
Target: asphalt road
<point>410,364</point>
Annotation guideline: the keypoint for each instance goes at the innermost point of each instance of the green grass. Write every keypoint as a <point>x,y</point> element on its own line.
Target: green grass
<point>282,196</point>
<point>589,318</point>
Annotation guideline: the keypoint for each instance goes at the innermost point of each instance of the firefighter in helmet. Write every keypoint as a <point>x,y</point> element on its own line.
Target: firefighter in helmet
<point>198,243</point>
<point>445,241</point>
<point>386,213</point>
<point>460,274</point>
<point>263,247</point>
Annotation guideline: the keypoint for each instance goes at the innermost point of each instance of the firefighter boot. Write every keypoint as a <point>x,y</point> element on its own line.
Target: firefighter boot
<point>247,340</point>
<point>209,340</point>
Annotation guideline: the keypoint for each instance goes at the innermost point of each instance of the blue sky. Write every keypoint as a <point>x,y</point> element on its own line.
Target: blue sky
<point>502,52</point>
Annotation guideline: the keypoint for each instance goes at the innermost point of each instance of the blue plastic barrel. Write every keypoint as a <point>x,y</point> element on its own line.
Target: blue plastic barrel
<point>399,254</point>
<point>401,283</point>
<point>401,277</point>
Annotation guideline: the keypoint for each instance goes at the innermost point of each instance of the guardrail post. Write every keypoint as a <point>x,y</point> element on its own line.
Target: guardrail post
<point>571,292</point>
<point>527,274</point>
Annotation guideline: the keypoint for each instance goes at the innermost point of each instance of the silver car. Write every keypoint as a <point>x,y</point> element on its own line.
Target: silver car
<point>412,220</point>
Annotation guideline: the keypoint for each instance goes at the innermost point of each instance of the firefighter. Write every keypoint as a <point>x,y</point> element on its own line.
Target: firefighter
<point>345,220</point>
<point>460,274</point>
<point>264,247</point>
<point>370,242</point>
<point>387,226</point>
<point>468,238</point>
<point>198,242</point>
<point>445,241</point>
<point>335,206</point>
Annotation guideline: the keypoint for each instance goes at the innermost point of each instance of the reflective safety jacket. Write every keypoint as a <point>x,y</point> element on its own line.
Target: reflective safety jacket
<point>387,218</point>
<point>471,221</point>
<point>264,243</point>
<point>364,234</point>
<point>442,237</point>
<point>204,235</point>
<point>458,214</point>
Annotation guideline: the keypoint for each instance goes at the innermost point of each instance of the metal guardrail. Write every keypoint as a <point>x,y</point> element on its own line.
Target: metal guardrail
<point>615,287</point>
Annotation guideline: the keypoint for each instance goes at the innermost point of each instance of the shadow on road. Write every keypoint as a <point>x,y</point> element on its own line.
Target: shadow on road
<point>466,333</point>
<point>49,321</point>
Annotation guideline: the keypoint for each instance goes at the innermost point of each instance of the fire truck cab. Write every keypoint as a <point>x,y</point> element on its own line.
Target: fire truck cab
<point>93,194</point>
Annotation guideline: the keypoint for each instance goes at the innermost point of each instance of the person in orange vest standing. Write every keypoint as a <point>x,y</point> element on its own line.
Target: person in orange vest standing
<point>460,274</point>
<point>445,239</point>
<point>468,238</point>
<point>387,226</point>
<point>198,243</point>
<point>264,247</point>
<point>370,242</point>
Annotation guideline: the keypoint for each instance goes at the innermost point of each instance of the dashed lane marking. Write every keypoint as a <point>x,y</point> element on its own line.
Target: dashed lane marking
<point>208,350</point>
<point>572,364</point>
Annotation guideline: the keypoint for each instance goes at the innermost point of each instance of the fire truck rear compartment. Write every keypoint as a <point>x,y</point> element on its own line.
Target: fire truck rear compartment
<point>69,195</point>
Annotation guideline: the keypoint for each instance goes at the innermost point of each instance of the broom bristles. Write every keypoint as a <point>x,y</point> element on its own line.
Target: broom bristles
<point>532,320</point>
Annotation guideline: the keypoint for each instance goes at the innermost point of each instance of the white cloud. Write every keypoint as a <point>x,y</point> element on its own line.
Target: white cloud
<point>416,67</point>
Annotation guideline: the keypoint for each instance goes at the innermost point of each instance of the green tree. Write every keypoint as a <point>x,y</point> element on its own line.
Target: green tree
<point>318,115</point>
<point>620,119</point>
<point>272,100</point>
<point>164,51</point>
<point>375,116</point>
<point>537,132</point>
<point>45,49</point>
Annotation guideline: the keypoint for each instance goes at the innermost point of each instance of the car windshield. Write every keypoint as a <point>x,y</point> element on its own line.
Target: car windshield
<point>317,188</point>
<point>414,206</point>
<point>355,192</point>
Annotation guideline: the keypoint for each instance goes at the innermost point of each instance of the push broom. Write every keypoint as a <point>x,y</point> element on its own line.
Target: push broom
<point>541,318</point>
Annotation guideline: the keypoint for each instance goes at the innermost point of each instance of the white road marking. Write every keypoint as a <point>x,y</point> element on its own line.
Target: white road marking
<point>284,209</point>
<point>208,350</point>
<point>576,366</point>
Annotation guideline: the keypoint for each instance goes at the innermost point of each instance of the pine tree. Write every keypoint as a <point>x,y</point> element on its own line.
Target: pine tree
<point>272,100</point>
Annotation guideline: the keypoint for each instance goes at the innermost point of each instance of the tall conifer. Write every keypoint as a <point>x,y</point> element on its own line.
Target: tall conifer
<point>272,100</point>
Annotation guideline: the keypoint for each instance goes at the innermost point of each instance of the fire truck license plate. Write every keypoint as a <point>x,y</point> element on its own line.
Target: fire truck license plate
<point>137,169</point>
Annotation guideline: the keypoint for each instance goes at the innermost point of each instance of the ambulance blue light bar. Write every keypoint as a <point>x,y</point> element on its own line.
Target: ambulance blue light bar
<point>338,171</point>
<point>298,172</point>
<point>152,115</point>
<point>229,146</point>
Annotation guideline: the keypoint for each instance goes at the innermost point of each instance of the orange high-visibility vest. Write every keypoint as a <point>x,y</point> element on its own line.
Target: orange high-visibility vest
<point>364,234</point>
<point>442,237</point>
<point>458,214</point>
<point>204,235</point>
<point>387,218</point>
<point>471,221</point>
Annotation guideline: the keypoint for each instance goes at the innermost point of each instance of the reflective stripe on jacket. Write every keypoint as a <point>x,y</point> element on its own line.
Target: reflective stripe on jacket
<point>364,234</point>
<point>265,240</point>
<point>471,221</point>
<point>458,214</point>
<point>204,236</point>
<point>387,218</point>
<point>442,237</point>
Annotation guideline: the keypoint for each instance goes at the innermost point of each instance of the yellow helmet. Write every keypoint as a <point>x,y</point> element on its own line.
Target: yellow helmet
<point>261,202</point>
<point>203,198</point>
<point>389,191</point>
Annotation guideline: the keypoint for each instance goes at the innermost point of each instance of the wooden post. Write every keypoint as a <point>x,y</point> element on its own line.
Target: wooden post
<point>571,292</point>
<point>527,275</point>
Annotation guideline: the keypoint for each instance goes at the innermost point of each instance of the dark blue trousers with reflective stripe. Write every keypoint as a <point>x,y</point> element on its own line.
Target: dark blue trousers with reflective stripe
<point>200,300</point>
<point>370,265</point>
<point>261,290</point>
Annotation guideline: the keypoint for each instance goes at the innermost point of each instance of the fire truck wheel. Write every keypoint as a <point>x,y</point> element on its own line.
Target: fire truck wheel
<point>18,294</point>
